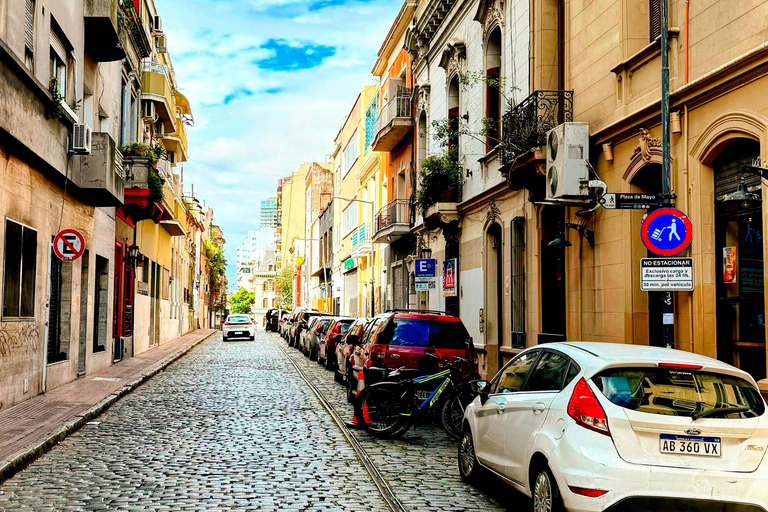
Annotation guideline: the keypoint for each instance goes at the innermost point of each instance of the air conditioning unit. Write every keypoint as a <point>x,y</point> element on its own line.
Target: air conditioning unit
<point>81,139</point>
<point>160,43</point>
<point>157,26</point>
<point>567,162</point>
<point>150,113</point>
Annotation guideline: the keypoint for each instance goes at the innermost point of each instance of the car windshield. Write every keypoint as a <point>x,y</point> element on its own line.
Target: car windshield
<point>344,327</point>
<point>680,392</point>
<point>425,333</point>
<point>238,318</point>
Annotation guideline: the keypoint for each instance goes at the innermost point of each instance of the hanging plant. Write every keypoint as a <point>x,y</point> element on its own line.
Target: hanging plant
<point>156,183</point>
<point>141,150</point>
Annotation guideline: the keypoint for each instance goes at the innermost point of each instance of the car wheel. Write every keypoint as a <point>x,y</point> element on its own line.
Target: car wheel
<point>328,362</point>
<point>313,355</point>
<point>546,495</point>
<point>351,385</point>
<point>252,337</point>
<point>338,377</point>
<point>225,337</point>
<point>469,468</point>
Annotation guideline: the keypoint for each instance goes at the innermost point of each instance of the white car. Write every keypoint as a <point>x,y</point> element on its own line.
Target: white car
<point>604,426</point>
<point>239,326</point>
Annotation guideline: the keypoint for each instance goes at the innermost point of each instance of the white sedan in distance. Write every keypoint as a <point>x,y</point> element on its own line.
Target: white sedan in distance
<point>589,427</point>
<point>238,326</point>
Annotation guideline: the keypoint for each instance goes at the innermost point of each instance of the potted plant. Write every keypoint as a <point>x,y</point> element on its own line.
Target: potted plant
<point>440,180</point>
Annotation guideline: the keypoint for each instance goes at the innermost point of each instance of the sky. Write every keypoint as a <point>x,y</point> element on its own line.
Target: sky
<point>270,83</point>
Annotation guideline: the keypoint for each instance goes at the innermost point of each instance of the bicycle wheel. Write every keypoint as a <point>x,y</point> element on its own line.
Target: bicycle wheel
<point>452,414</point>
<point>379,409</point>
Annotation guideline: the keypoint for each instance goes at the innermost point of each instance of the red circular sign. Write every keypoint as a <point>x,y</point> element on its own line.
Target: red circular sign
<point>661,233</point>
<point>68,245</point>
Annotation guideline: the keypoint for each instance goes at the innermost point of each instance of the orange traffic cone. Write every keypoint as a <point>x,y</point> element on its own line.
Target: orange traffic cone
<point>366,417</point>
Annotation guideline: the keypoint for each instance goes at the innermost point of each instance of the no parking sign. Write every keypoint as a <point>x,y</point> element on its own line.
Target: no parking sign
<point>68,245</point>
<point>666,231</point>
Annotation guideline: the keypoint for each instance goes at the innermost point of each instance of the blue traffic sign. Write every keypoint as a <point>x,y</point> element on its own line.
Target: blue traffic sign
<point>425,267</point>
<point>666,231</point>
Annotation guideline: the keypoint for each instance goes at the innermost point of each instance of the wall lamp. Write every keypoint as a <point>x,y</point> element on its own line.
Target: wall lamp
<point>584,231</point>
<point>742,194</point>
<point>133,253</point>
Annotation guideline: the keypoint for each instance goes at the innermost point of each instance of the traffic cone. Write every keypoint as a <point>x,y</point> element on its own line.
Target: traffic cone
<point>366,417</point>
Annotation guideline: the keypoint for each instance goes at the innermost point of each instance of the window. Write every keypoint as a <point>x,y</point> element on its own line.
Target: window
<point>371,116</point>
<point>425,334</point>
<point>679,392</point>
<point>125,105</point>
<point>101,304</point>
<point>512,377</point>
<point>517,275</point>
<point>19,268</point>
<point>59,62</point>
<point>266,303</point>
<point>655,19</point>
<point>493,103</point>
<point>29,35</point>
<point>274,302</point>
<point>351,152</point>
<point>549,373</point>
<point>350,218</point>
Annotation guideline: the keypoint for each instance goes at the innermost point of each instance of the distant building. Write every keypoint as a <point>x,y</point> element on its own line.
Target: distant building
<point>263,285</point>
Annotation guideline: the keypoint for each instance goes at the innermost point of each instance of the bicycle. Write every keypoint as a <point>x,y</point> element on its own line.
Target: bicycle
<point>389,409</point>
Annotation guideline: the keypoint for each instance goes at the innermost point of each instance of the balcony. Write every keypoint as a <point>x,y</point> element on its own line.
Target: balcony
<point>526,125</point>
<point>393,221</point>
<point>177,142</point>
<point>156,87</point>
<point>143,198</point>
<point>394,122</point>
<point>100,174</point>
<point>102,40</point>
<point>361,241</point>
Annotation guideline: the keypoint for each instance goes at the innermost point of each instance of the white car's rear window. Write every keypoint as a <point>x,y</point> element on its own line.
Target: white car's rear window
<point>238,318</point>
<point>680,392</point>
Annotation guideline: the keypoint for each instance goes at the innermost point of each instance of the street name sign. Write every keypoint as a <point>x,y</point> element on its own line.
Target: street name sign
<point>618,201</point>
<point>68,245</point>
<point>666,231</point>
<point>666,274</point>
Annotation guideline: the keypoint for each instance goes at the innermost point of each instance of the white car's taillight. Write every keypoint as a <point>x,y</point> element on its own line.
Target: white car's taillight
<point>586,410</point>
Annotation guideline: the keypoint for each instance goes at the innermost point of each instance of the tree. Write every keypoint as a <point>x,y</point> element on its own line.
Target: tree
<point>242,301</point>
<point>284,286</point>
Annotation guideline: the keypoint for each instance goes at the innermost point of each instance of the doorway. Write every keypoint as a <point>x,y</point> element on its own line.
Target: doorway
<point>83,347</point>
<point>552,278</point>
<point>494,315</point>
<point>740,310</point>
<point>452,252</point>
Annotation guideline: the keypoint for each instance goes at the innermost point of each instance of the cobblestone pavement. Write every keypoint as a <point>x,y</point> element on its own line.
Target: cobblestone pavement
<point>230,426</point>
<point>421,467</point>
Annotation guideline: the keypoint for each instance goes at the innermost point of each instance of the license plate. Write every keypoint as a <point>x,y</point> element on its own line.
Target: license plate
<point>690,445</point>
<point>241,333</point>
<point>422,394</point>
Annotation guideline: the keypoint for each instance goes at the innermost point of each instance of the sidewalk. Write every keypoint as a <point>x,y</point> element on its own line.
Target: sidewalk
<point>31,428</point>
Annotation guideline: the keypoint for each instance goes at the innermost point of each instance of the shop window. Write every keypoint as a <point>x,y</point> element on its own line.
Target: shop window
<point>19,267</point>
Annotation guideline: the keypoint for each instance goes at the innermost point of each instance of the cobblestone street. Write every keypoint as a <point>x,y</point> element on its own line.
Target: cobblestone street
<point>232,426</point>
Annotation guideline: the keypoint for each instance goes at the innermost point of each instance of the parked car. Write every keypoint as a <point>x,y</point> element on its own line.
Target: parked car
<point>326,349</point>
<point>300,324</point>
<point>238,326</point>
<point>312,337</point>
<point>282,322</point>
<point>344,348</point>
<point>589,426</point>
<point>271,318</point>
<point>303,343</point>
<point>291,328</point>
<point>399,339</point>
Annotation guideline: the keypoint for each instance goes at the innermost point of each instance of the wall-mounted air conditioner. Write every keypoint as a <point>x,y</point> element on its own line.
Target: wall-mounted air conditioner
<point>567,162</point>
<point>81,139</point>
<point>160,43</point>
<point>157,25</point>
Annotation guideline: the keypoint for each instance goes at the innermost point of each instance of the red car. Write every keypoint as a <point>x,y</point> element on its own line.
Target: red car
<point>399,339</point>
<point>327,341</point>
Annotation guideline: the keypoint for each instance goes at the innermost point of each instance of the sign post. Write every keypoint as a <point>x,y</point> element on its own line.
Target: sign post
<point>68,245</point>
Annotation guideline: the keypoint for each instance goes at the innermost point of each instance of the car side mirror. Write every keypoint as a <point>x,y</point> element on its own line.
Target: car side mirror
<point>480,387</point>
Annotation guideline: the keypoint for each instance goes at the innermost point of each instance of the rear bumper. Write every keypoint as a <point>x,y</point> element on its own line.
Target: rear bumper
<point>230,331</point>
<point>590,461</point>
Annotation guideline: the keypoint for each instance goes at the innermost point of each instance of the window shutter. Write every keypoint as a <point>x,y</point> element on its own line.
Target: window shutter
<point>29,22</point>
<point>655,18</point>
<point>58,46</point>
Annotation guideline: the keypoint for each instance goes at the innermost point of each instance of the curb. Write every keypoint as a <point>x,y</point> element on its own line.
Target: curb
<point>22,459</point>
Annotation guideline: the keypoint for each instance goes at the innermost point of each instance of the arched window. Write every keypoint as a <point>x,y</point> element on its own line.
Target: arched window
<point>266,286</point>
<point>493,103</point>
<point>266,303</point>
<point>274,302</point>
<point>453,117</point>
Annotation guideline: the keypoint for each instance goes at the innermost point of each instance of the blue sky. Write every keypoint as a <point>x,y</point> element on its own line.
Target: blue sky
<point>270,82</point>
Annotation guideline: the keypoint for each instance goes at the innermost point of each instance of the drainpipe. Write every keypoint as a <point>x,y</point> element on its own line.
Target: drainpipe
<point>687,10</point>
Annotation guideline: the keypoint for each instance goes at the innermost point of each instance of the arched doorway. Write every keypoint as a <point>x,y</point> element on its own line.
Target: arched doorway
<point>494,314</point>
<point>552,276</point>
<point>739,277</point>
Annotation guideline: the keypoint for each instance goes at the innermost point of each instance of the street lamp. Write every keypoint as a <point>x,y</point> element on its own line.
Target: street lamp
<point>373,247</point>
<point>133,254</point>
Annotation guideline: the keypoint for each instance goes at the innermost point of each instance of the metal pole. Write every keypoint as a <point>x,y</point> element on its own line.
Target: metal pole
<point>668,306</point>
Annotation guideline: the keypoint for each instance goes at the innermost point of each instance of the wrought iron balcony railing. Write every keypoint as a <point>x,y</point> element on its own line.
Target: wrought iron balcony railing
<point>525,126</point>
<point>396,212</point>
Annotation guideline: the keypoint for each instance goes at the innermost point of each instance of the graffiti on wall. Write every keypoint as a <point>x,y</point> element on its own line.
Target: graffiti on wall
<point>16,336</point>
